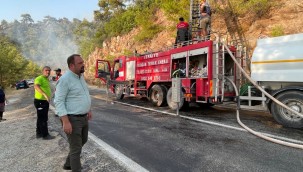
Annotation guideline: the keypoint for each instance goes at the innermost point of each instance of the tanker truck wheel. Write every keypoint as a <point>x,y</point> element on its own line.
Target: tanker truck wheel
<point>172,105</point>
<point>119,92</point>
<point>157,95</point>
<point>294,100</point>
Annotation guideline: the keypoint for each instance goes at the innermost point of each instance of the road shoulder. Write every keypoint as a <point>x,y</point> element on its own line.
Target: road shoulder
<point>22,151</point>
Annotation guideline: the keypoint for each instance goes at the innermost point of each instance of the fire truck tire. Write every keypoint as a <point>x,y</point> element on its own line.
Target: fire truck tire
<point>157,95</point>
<point>293,99</point>
<point>119,92</point>
<point>165,93</point>
<point>172,105</point>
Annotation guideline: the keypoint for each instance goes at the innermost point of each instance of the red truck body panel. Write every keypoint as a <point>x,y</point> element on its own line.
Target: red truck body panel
<point>146,70</point>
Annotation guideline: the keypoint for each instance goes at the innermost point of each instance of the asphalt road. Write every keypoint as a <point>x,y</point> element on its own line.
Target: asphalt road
<point>160,142</point>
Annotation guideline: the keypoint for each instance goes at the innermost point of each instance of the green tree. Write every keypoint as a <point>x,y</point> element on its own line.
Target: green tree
<point>27,19</point>
<point>108,8</point>
<point>175,8</point>
<point>14,66</point>
<point>277,31</point>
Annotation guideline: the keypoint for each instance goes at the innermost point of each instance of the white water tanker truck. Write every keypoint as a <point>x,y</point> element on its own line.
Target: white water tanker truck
<point>277,65</point>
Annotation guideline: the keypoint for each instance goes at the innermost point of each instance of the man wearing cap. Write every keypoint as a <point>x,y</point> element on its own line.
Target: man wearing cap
<point>58,74</point>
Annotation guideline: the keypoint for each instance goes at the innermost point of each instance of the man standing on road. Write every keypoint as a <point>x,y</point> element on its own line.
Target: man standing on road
<point>42,99</point>
<point>3,101</point>
<point>73,105</point>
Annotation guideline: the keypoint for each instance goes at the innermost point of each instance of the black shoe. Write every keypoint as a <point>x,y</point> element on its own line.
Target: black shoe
<point>38,136</point>
<point>48,137</point>
<point>67,167</point>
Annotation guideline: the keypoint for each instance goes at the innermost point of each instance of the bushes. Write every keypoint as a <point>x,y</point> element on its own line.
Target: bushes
<point>277,31</point>
<point>241,8</point>
<point>121,23</point>
<point>145,20</point>
<point>13,65</point>
<point>141,14</point>
<point>175,8</point>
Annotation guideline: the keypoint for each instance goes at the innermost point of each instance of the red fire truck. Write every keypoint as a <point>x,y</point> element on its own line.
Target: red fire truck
<point>207,73</point>
<point>201,67</point>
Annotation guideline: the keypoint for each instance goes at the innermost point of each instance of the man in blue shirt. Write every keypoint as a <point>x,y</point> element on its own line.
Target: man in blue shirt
<point>73,106</point>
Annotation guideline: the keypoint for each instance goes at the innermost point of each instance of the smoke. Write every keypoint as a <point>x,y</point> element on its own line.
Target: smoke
<point>58,45</point>
<point>49,42</point>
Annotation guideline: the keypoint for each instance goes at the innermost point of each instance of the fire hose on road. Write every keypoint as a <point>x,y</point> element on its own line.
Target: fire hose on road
<point>269,96</point>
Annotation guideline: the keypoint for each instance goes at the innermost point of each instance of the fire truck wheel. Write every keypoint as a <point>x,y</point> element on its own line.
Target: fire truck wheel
<point>173,105</point>
<point>119,92</point>
<point>157,95</point>
<point>294,100</point>
<point>165,91</point>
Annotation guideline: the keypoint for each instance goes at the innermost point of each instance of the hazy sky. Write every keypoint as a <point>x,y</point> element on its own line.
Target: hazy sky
<point>38,9</point>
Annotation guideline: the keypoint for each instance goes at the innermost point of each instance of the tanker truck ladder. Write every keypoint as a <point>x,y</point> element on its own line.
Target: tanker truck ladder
<point>242,57</point>
<point>219,73</point>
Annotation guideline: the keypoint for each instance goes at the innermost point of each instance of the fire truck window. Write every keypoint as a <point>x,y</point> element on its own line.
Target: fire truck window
<point>179,68</point>
<point>116,69</point>
<point>117,66</point>
<point>102,69</point>
<point>116,74</point>
<point>120,63</point>
<point>198,66</point>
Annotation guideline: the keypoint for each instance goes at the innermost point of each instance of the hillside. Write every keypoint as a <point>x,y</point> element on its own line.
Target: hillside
<point>284,16</point>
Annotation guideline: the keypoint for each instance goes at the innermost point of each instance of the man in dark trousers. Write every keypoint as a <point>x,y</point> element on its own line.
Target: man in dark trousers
<point>2,103</point>
<point>73,106</point>
<point>204,19</point>
<point>42,99</point>
<point>182,31</point>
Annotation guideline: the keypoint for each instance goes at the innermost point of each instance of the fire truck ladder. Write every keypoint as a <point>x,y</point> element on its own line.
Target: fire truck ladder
<point>219,73</point>
<point>194,17</point>
<point>242,57</point>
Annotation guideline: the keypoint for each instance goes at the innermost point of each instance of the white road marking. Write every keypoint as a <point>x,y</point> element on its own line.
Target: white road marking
<point>211,123</point>
<point>123,160</point>
<point>120,158</point>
